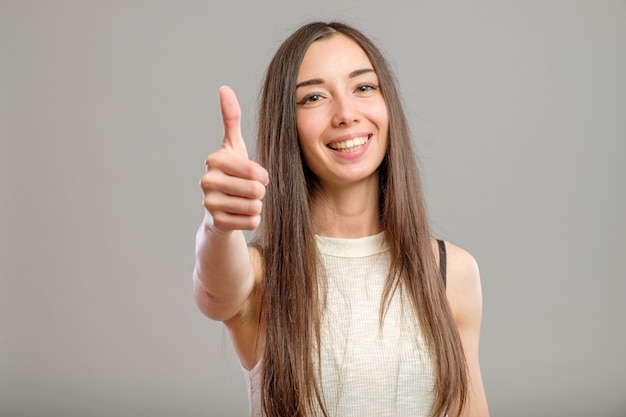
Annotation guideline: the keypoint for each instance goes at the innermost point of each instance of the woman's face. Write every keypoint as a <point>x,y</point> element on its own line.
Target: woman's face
<point>341,114</point>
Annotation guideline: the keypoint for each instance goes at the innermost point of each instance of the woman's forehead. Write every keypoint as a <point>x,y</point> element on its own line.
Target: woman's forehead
<point>333,55</point>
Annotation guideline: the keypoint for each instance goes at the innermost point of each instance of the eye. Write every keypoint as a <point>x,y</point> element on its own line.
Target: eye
<point>310,98</point>
<point>364,88</point>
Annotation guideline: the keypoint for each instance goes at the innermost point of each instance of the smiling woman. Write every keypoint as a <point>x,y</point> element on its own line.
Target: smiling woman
<point>341,115</point>
<point>339,307</point>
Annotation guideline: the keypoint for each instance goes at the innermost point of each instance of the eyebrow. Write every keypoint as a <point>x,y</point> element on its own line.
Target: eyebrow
<point>315,81</point>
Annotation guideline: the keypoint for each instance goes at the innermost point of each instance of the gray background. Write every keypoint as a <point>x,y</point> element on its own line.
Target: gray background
<point>108,109</point>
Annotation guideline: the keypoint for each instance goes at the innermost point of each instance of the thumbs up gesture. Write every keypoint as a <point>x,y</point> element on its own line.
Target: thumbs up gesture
<point>233,185</point>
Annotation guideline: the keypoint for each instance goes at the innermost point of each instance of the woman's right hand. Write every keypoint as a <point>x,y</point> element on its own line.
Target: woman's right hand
<point>233,185</point>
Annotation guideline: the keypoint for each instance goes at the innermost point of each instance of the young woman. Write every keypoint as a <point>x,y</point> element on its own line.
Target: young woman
<point>344,304</point>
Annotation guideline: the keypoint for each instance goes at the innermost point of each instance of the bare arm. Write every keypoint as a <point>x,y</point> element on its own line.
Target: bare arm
<point>233,187</point>
<point>465,297</point>
<point>223,274</point>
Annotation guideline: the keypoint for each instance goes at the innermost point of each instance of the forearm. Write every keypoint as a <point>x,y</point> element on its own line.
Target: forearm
<point>223,273</point>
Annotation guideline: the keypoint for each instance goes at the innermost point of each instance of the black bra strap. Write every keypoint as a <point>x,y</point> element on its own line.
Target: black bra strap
<point>442,260</point>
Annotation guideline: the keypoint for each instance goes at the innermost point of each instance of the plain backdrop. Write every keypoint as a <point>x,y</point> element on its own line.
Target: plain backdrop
<point>108,109</point>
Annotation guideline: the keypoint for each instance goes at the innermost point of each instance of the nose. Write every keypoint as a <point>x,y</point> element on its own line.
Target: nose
<point>345,111</point>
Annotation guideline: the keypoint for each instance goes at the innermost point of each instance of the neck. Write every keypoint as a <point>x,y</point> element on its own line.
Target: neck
<point>347,211</point>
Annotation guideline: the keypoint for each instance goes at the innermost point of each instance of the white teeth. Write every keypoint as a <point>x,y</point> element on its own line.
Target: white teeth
<point>349,145</point>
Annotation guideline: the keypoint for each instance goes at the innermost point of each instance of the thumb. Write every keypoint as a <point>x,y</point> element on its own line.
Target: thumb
<point>231,117</point>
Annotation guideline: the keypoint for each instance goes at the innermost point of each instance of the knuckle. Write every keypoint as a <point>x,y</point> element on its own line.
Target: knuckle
<point>215,204</point>
<point>210,160</point>
<point>222,221</point>
<point>215,160</point>
<point>212,181</point>
<point>219,224</point>
<point>209,204</point>
<point>205,182</point>
<point>208,185</point>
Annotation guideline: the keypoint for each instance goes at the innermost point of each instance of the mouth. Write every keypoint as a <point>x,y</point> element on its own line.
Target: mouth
<point>350,145</point>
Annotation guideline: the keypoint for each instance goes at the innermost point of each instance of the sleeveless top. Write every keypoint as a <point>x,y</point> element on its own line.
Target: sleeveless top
<point>366,369</point>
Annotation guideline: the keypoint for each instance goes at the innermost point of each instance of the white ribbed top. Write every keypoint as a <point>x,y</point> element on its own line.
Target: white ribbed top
<point>366,370</point>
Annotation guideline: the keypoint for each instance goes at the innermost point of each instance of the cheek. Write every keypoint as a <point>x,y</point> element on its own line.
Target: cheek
<point>382,114</point>
<point>305,127</point>
<point>382,120</point>
<point>301,129</point>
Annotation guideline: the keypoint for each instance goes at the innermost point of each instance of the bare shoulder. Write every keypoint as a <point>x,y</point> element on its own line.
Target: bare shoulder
<point>464,295</point>
<point>463,285</point>
<point>462,267</point>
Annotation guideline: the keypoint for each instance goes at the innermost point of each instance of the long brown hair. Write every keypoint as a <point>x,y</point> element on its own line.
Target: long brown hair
<point>292,300</point>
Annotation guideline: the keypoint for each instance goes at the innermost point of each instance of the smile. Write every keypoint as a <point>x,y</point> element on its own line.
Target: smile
<point>350,145</point>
